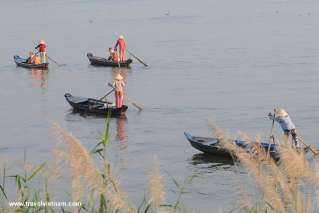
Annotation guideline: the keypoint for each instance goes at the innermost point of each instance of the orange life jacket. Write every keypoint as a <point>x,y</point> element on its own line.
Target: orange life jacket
<point>35,60</point>
<point>115,56</point>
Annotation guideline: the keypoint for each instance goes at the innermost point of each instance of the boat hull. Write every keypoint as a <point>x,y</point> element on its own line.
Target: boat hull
<point>94,106</point>
<point>99,61</point>
<point>213,146</point>
<point>21,62</point>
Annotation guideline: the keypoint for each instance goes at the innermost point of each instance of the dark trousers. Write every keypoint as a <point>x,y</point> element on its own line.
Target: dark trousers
<point>293,134</point>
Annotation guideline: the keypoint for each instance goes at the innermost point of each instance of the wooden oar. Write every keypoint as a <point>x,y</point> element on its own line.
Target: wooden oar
<point>140,108</point>
<point>271,136</point>
<point>314,152</point>
<point>107,94</point>
<point>137,58</point>
<point>60,65</point>
<point>134,104</point>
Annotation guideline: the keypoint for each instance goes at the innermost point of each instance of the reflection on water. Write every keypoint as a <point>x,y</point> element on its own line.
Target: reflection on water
<point>206,163</point>
<point>120,130</point>
<point>72,116</point>
<point>122,71</point>
<point>41,78</point>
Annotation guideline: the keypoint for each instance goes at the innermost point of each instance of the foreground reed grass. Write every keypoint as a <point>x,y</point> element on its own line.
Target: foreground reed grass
<point>85,174</point>
<point>290,185</point>
<point>98,189</point>
<point>156,194</point>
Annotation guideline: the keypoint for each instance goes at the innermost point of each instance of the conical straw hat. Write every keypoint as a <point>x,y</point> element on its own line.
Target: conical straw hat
<point>281,113</point>
<point>118,77</point>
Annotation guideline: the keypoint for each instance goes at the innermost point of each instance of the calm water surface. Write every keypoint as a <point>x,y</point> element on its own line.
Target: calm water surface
<point>227,61</point>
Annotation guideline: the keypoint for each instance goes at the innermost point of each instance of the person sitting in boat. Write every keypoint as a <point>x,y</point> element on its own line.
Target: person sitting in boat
<point>118,84</point>
<point>42,50</point>
<point>122,47</point>
<point>33,59</point>
<point>31,55</point>
<point>113,55</point>
<point>289,128</point>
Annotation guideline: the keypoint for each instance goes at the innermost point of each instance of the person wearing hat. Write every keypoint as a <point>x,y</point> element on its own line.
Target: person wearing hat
<point>289,128</point>
<point>42,50</point>
<point>113,55</point>
<point>118,84</point>
<point>122,47</point>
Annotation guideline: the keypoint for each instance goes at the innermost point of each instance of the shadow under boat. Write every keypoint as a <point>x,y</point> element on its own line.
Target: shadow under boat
<point>213,160</point>
<point>84,114</point>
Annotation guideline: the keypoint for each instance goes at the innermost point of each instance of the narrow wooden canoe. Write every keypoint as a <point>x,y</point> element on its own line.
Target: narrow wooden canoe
<point>94,106</point>
<point>212,146</point>
<point>99,61</point>
<point>21,62</point>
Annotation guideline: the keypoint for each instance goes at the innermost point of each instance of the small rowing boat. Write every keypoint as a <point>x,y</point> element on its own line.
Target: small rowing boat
<point>99,61</point>
<point>94,106</point>
<point>21,62</point>
<point>213,146</point>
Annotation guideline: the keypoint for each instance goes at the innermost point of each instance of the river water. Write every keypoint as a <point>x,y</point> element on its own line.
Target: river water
<point>230,62</point>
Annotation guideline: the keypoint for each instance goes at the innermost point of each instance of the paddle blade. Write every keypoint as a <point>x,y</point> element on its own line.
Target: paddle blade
<point>138,59</point>
<point>137,106</point>
<point>141,62</point>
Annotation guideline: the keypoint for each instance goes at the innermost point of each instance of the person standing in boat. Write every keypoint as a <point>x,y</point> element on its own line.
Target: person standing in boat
<point>122,47</point>
<point>42,50</point>
<point>289,128</point>
<point>113,55</point>
<point>118,84</point>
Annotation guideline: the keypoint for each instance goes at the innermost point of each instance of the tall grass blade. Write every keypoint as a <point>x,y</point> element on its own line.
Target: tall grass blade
<point>36,171</point>
<point>25,162</point>
<point>47,196</point>
<point>141,205</point>
<point>176,182</point>
<point>2,187</point>
<point>18,181</point>
<point>105,136</point>
<point>148,208</point>
<point>102,207</point>
<point>3,192</point>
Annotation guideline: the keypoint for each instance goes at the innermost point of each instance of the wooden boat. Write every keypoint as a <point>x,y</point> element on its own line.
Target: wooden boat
<point>99,61</point>
<point>21,62</point>
<point>212,146</point>
<point>94,106</point>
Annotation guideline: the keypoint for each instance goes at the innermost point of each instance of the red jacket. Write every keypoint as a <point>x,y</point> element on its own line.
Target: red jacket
<point>41,47</point>
<point>121,44</point>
